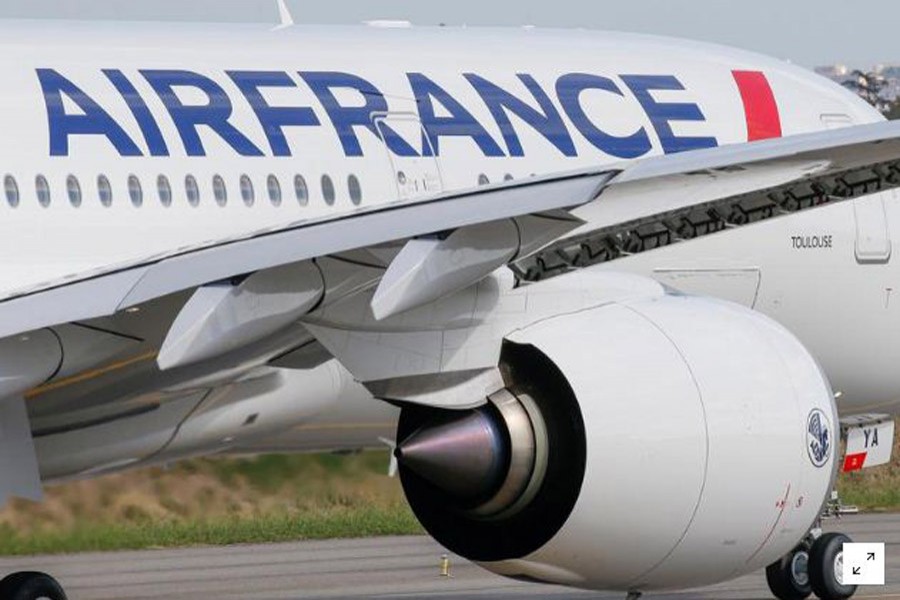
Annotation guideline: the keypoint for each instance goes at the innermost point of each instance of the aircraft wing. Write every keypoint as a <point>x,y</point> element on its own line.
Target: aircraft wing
<point>625,209</point>
<point>93,295</point>
<point>199,304</point>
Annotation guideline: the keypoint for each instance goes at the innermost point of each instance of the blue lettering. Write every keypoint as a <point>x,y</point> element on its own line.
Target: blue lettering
<point>547,121</point>
<point>663,113</point>
<point>187,118</point>
<point>460,123</point>
<point>152,135</point>
<point>346,118</point>
<point>273,119</point>
<point>93,121</point>
<point>569,89</point>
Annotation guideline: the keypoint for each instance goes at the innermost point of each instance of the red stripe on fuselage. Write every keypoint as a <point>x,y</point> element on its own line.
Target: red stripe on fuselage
<point>763,119</point>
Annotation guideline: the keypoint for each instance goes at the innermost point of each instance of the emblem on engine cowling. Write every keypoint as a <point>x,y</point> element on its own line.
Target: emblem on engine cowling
<point>818,437</point>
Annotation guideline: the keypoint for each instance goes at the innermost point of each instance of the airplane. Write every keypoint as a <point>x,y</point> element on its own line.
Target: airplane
<point>615,296</point>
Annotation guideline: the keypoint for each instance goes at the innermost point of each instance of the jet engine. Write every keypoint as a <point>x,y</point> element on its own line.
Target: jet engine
<point>660,443</point>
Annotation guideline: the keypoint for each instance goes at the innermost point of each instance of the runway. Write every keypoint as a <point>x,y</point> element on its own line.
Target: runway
<point>403,567</point>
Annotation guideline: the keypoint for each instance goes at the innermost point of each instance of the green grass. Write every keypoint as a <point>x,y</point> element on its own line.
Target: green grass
<point>874,489</point>
<point>278,498</point>
<point>269,473</point>
<point>337,522</point>
<point>871,493</point>
<point>214,501</point>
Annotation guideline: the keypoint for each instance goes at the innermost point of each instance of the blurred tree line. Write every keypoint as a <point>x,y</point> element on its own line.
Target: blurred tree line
<point>894,111</point>
<point>869,86</point>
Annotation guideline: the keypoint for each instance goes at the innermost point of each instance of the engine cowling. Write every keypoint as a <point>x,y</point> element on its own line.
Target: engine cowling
<point>660,443</point>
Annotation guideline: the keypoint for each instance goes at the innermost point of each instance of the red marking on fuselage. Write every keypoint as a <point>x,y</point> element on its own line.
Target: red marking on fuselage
<point>781,505</point>
<point>763,118</point>
<point>854,462</point>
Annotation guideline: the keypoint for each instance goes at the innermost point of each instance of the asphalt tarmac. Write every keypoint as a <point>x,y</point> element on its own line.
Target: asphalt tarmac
<point>402,567</point>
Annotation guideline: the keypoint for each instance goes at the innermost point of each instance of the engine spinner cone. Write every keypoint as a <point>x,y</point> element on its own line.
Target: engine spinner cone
<point>465,455</point>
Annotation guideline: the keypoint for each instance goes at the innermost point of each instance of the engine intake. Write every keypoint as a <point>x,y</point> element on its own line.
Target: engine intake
<point>499,481</point>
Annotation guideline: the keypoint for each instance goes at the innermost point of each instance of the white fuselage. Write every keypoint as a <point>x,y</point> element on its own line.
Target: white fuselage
<point>82,104</point>
<point>381,114</point>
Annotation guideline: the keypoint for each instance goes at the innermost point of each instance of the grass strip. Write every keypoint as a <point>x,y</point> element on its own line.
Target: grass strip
<point>877,496</point>
<point>330,523</point>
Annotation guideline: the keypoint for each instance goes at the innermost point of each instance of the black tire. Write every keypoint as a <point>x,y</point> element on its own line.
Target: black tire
<point>788,578</point>
<point>30,585</point>
<point>825,560</point>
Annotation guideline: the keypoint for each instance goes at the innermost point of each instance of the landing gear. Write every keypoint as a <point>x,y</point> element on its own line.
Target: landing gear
<point>826,563</point>
<point>815,566</point>
<point>788,578</point>
<point>31,585</point>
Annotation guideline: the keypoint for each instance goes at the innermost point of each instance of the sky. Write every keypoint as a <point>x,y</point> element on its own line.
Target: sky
<point>860,33</point>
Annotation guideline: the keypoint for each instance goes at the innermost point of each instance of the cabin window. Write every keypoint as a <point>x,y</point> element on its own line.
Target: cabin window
<point>301,190</point>
<point>73,188</point>
<point>192,190</point>
<point>328,190</point>
<point>43,190</point>
<point>135,191</point>
<point>508,177</point>
<point>165,190</point>
<point>274,190</point>
<point>483,179</point>
<point>355,189</point>
<point>104,191</point>
<point>247,193</point>
<point>12,191</point>
<point>220,192</point>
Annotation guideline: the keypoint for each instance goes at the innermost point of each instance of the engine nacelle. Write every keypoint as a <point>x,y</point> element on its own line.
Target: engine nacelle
<point>661,443</point>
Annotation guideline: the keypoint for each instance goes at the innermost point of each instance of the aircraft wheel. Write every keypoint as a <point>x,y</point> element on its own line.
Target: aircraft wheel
<point>31,585</point>
<point>826,563</point>
<point>788,578</point>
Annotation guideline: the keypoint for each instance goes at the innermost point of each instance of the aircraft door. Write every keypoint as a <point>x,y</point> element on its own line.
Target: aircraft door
<point>415,176</point>
<point>873,241</point>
